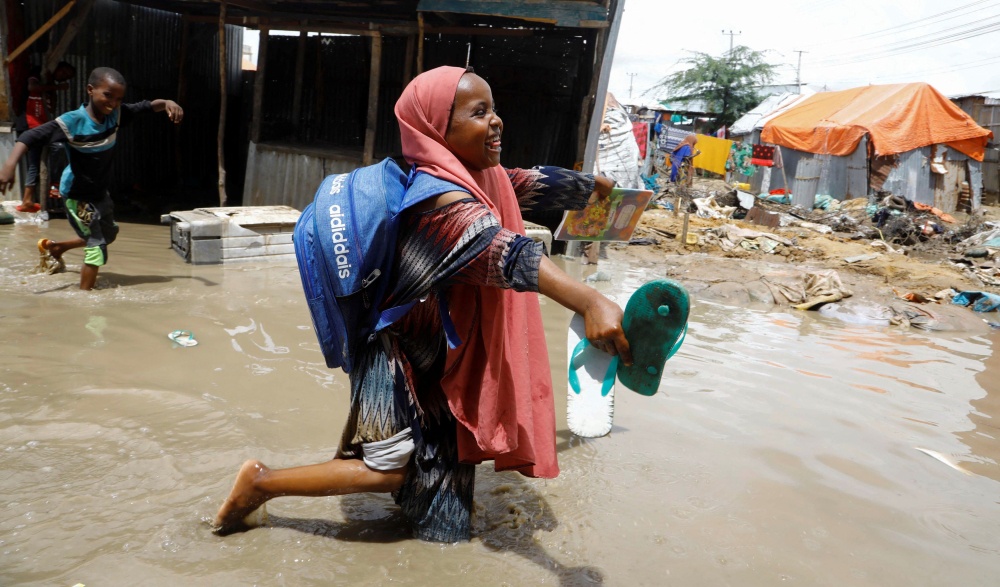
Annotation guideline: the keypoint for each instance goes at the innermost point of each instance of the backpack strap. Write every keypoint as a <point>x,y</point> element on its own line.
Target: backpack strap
<point>388,317</point>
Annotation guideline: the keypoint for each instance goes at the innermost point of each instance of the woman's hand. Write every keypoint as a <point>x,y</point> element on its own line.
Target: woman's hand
<point>603,320</point>
<point>602,189</point>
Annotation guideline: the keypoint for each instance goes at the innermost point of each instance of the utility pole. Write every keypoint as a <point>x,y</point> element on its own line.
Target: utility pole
<point>798,72</point>
<point>731,35</point>
<point>630,80</point>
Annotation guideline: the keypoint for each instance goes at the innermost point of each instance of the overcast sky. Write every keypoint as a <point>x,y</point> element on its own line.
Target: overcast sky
<point>848,43</point>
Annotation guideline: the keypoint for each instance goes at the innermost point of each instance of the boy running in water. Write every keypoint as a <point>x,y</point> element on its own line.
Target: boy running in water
<point>90,133</point>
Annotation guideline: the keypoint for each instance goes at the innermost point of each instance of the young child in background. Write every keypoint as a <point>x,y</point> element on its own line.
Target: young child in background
<point>90,133</point>
<point>37,111</point>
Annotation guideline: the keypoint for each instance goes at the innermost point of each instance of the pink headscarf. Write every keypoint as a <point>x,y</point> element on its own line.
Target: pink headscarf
<point>497,382</point>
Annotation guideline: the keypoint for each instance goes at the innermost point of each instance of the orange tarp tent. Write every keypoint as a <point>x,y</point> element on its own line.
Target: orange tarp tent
<point>897,118</point>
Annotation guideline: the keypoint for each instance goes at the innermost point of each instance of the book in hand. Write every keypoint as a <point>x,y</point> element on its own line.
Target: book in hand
<point>610,219</point>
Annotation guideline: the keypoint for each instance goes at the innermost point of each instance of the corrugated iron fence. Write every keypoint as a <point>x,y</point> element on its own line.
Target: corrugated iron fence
<point>157,165</point>
<point>538,84</point>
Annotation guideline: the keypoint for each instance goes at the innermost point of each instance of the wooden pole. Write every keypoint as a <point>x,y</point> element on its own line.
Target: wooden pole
<point>602,75</point>
<point>788,188</point>
<point>222,102</point>
<point>181,92</point>
<point>34,36</point>
<point>408,65</point>
<point>258,84</point>
<point>54,55</point>
<point>300,62</point>
<point>420,43</point>
<point>6,112</point>
<point>374,79</point>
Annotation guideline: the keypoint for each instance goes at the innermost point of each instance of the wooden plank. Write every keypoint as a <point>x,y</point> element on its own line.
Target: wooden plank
<point>54,55</point>
<point>374,81</point>
<point>258,84</point>
<point>420,43</point>
<point>602,74</point>
<point>478,31</point>
<point>41,31</point>
<point>565,13</point>
<point>411,43</point>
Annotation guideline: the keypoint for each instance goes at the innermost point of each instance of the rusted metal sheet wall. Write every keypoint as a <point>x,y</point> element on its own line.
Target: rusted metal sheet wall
<point>289,176</point>
<point>536,82</point>
<point>144,44</point>
<point>991,175</point>
<point>911,177</point>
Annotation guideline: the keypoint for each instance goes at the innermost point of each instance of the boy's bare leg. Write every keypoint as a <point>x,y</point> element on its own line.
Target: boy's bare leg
<point>256,484</point>
<point>28,197</point>
<point>57,249</point>
<point>88,277</point>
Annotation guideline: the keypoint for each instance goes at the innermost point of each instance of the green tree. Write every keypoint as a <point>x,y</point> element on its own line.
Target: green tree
<point>728,84</point>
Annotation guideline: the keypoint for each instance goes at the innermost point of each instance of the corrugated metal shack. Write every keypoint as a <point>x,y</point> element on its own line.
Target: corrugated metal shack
<point>934,174</point>
<point>161,55</point>
<point>986,112</point>
<point>322,100</point>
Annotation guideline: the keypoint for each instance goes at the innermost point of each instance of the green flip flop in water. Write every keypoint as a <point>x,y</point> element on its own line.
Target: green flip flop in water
<point>655,323</point>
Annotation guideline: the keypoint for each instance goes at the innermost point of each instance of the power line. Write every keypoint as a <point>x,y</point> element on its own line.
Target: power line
<point>909,25</point>
<point>891,51</point>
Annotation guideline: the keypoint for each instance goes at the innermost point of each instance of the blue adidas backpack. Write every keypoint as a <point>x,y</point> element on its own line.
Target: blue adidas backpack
<point>345,242</point>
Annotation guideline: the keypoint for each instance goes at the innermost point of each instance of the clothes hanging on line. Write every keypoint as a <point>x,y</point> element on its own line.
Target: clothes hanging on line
<point>763,156</point>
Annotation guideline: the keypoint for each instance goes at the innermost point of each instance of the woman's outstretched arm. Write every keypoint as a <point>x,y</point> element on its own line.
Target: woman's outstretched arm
<point>602,316</point>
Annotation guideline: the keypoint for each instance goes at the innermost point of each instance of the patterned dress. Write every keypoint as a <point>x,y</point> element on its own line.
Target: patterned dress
<point>397,383</point>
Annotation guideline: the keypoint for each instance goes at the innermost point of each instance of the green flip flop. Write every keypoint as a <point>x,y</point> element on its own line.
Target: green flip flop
<point>655,324</point>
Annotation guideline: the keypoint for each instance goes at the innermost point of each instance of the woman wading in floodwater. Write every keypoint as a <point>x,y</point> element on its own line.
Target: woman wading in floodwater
<point>423,415</point>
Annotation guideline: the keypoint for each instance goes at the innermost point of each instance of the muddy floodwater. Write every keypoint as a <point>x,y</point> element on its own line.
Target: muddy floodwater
<point>782,447</point>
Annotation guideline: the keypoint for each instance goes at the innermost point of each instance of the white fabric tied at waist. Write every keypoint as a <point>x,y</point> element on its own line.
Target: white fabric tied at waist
<point>391,453</point>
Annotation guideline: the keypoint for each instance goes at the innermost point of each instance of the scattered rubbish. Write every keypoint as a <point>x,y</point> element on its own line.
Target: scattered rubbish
<point>692,238</point>
<point>886,246</point>
<point>854,314</point>
<point>662,204</point>
<point>6,217</point>
<point>763,217</point>
<point>977,253</point>
<point>746,199</point>
<point>183,338</point>
<point>860,258</point>
<point>979,300</point>
<point>913,297</point>
<point>827,203</point>
<point>709,208</point>
<point>820,228</point>
<point>944,459</point>
<point>914,316</point>
<point>942,215</point>
<point>806,291</point>
<point>598,276</point>
<point>643,241</point>
<point>731,236</point>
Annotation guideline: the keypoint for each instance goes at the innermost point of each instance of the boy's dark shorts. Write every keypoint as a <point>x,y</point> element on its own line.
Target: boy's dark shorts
<point>95,223</point>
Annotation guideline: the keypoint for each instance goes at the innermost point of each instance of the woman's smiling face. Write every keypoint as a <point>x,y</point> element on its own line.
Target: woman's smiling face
<point>474,131</point>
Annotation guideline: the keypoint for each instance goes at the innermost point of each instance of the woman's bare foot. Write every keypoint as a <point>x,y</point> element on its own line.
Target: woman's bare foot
<point>243,499</point>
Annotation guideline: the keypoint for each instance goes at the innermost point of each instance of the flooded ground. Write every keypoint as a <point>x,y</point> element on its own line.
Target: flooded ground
<point>782,446</point>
